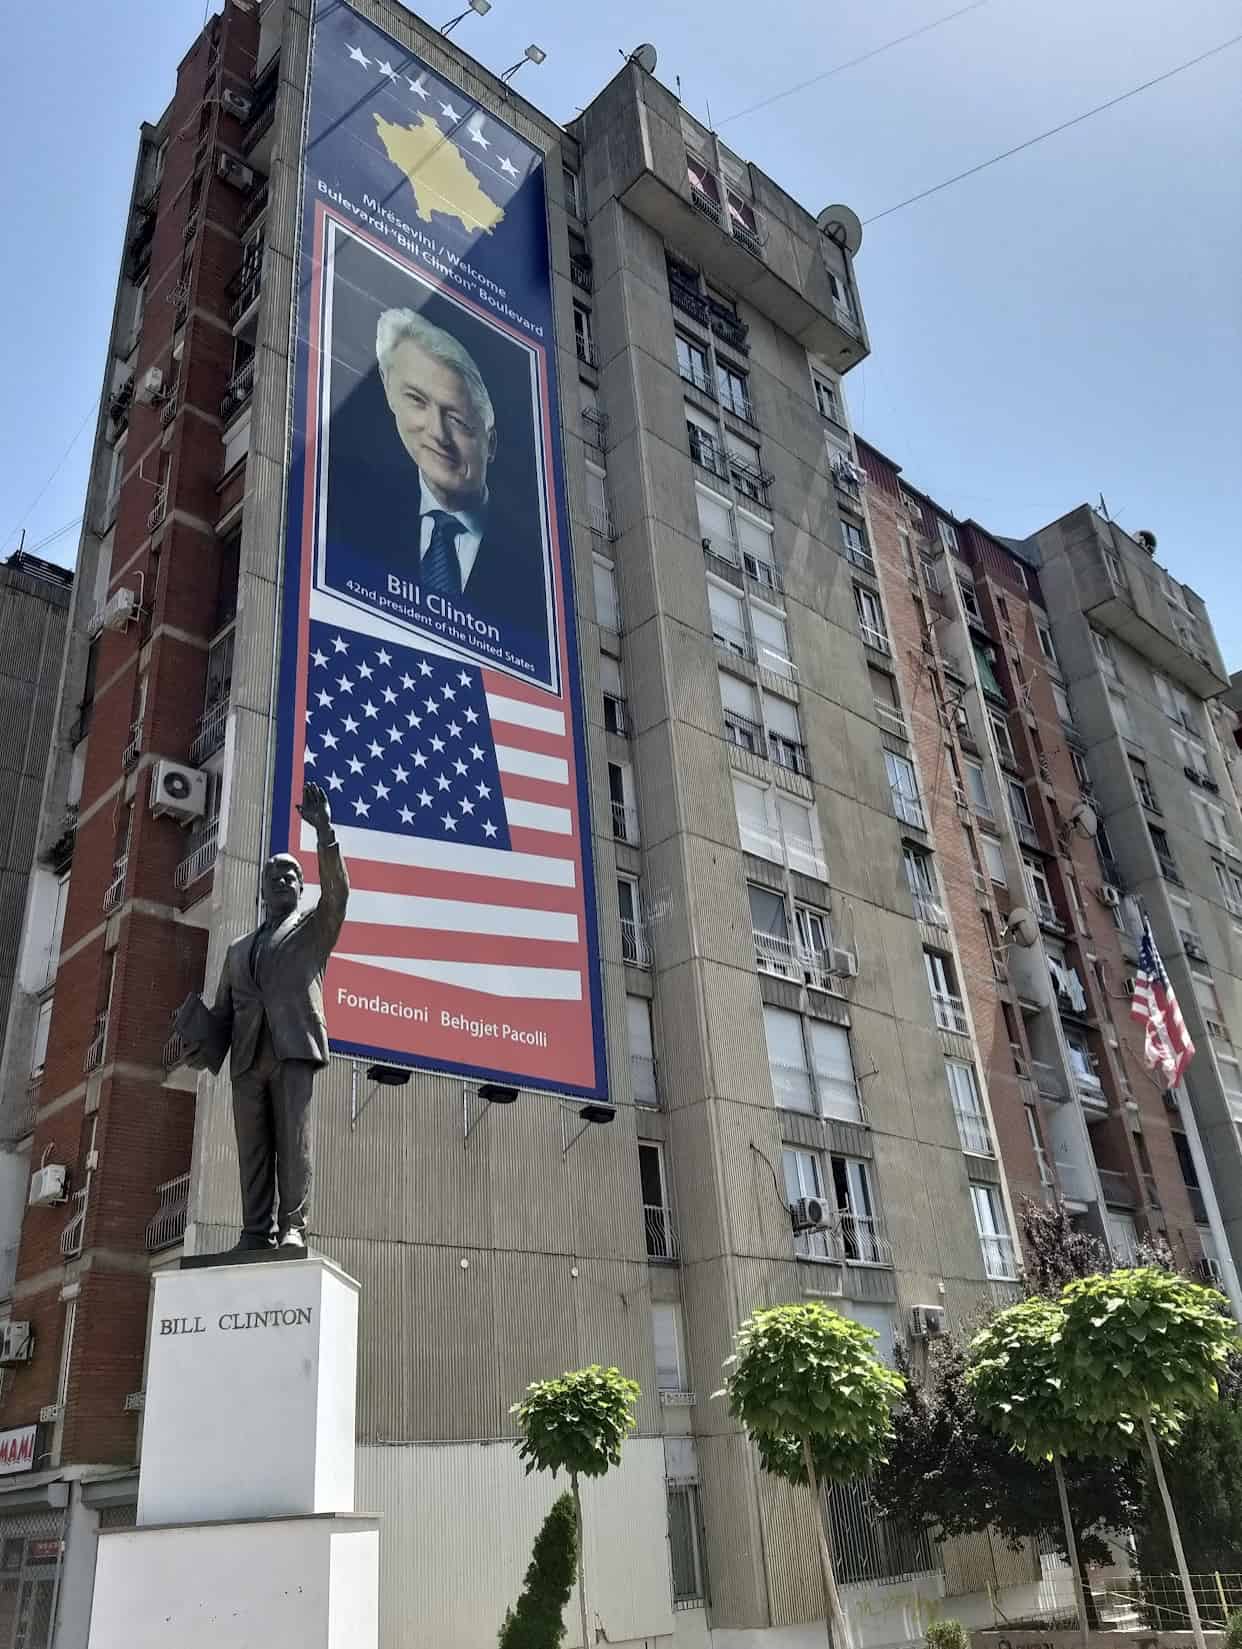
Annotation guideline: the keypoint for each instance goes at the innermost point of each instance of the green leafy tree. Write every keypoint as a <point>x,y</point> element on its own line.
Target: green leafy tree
<point>1140,1351</point>
<point>1054,1249</point>
<point>817,1403</point>
<point>1203,1466</point>
<point>947,1634</point>
<point>949,1474</point>
<point>537,1621</point>
<point>577,1424</point>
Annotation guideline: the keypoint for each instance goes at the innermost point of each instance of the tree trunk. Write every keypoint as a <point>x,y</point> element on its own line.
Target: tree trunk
<point>1175,1535</point>
<point>582,1605</point>
<point>1076,1558</point>
<point>838,1625</point>
<point>1072,1547</point>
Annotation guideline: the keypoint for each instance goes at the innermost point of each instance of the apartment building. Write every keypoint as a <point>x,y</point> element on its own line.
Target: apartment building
<point>799,1068</point>
<point>1004,687</point>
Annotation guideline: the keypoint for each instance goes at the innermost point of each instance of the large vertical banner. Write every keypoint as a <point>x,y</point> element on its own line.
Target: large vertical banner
<point>428,673</point>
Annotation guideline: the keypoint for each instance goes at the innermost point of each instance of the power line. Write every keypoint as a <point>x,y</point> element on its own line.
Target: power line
<point>33,549</point>
<point>1053,130</point>
<point>63,460</point>
<point>852,62</point>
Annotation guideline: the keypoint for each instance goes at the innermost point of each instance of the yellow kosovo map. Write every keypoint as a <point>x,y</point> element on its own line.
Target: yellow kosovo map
<point>439,177</point>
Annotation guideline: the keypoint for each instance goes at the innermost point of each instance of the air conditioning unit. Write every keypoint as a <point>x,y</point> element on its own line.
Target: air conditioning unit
<point>234,172</point>
<point>16,1342</point>
<point>151,386</point>
<point>237,103</point>
<point>1108,895</point>
<point>926,1321</point>
<point>47,1185</point>
<point>843,962</point>
<point>177,791</point>
<point>119,609</point>
<point>808,1214</point>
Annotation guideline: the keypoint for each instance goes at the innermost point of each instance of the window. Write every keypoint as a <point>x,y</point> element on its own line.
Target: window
<point>1061,699</point>
<point>584,337</point>
<point>947,1007</point>
<point>1142,783</point>
<point>827,399</point>
<point>745,468</point>
<point>970,600</point>
<point>1004,743</point>
<point>1191,753</point>
<point>771,641</point>
<point>112,492</point>
<point>789,1068</point>
<point>1121,713</point>
<point>855,541</point>
<point>1082,1061</point>
<point>621,799</point>
<point>993,1229</point>
<point>614,698</point>
<point>871,618</point>
<point>685,1542</point>
<point>1079,763</point>
<point>1175,703</point>
<point>785,746</point>
<point>728,615</point>
<point>1231,888</point>
<point>739,705</point>
<point>1104,652</point>
<point>669,1336</point>
<point>734,392</point>
<point>693,364</point>
<point>598,511</point>
<point>658,1220</point>
<point>1046,646</point>
<point>755,538</point>
<point>884,697</point>
<point>811,1068</point>
<point>972,1122</point>
<point>984,659</point>
<point>800,836</point>
<point>994,859</point>
<point>1123,1237</point>
<point>903,785</point>
<point>1041,893</point>
<point>635,948</point>
<point>835,1083</point>
<point>948,533</point>
<point>607,607</point>
<point>815,941</point>
<point>43,1024</point>
<point>1020,806</point>
<point>756,833</point>
<point>642,1051</point>
<point>977,789</point>
<point>920,878</point>
<point>1209,1006</point>
<point>844,1183</point>
<point>1164,853</point>
<point>1214,823</point>
<point>716,526</point>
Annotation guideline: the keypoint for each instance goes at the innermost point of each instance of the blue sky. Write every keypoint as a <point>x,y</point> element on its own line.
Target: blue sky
<point>1066,324</point>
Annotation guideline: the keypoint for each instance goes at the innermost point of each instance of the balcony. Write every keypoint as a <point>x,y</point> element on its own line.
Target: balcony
<point>244,289</point>
<point>860,558</point>
<point>775,953</point>
<point>635,946</point>
<point>119,405</point>
<point>1118,1192</point>
<point>1048,1081</point>
<point>159,508</point>
<point>950,1013</point>
<point>743,733</point>
<point>580,272</point>
<point>241,387</point>
<point>212,726</point>
<point>763,574</point>
<point>167,1226</point>
<point>644,1079</point>
<point>873,638</point>
<point>788,753</point>
<point>661,1238</point>
<point>99,1041</point>
<point>115,889</point>
<point>706,453</point>
<point>999,1258</point>
<point>585,349</point>
<point>624,822</point>
<point>856,1239</point>
<point>974,1133</point>
<point>909,809</point>
<point>201,857</point>
<point>254,208</point>
<point>1091,1093</point>
<point>601,522</point>
<point>1047,916</point>
<point>262,108</point>
<point>1075,1181</point>
<point>71,1236</point>
<point>751,481</point>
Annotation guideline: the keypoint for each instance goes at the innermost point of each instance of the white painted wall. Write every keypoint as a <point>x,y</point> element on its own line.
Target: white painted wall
<point>457,1522</point>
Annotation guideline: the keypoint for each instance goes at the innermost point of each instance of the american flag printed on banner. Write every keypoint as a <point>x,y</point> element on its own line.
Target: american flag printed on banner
<point>1167,1046</point>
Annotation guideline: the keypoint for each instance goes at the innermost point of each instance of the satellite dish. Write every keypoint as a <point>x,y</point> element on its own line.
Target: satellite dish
<point>1022,927</point>
<point>1085,819</point>
<point>645,57</point>
<point>842,225</point>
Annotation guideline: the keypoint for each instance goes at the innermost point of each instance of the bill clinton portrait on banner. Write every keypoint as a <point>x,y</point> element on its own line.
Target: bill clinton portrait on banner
<point>434,472</point>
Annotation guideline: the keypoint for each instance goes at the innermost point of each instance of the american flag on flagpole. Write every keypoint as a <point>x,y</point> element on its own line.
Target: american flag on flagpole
<point>1167,1046</point>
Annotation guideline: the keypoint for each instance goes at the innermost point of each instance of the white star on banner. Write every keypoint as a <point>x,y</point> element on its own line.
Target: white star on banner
<point>357,54</point>
<point>350,725</point>
<point>335,781</point>
<point>489,829</point>
<point>423,798</point>
<point>310,758</point>
<point>510,170</point>
<point>449,822</point>
<point>361,808</point>
<point>355,766</point>
<point>386,69</point>
<point>384,658</point>
<point>476,133</point>
<point>325,699</point>
<point>319,658</point>
<point>365,671</point>
<point>406,816</point>
<point>449,112</point>
<point>339,644</point>
<point>417,87</point>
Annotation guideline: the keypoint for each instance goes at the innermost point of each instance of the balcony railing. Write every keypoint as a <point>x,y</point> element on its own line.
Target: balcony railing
<point>1048,1082</point>
<point>706,453</point>
<point>132,751</point>
<point>789,753</point>
<point>1027,833</point>
<point>116,887</point>
<point>891,719</point>
<point>580,272</point>
<point>736,643</point>
<point>751,481</point>
<point>738,404</point>
<point>775,953</point>
<point>597,427</point>
<point>624,822</point>
<point>71,1236</point>
<point>1075,1181</point>
<point>174,1052</point>
<point>859,1239</point>
<point>661,1237</point>
<point>585,348</point>
<point>241,387</point>
<point>950,1012</point>
<point>1118,1192</point>
<point>909,809</point>
<point>635,946</point>
<point>1047,916</point>
<point>616,715</point>
<point>860,558</point>
<point>704,203</point>
<point>644,1078</point>
<point>999,1258</point>
<point>763,573</point>
<point>167,1225</point>
<point>689,301</point>
<point>974,1133</point>
<point>930,910</point>
<point>697,376</point>
<point>873,637</point>
<point>95,1050</point>
<point>212,726</point>
<point>256,204</point>
<point>601,522</point>
<point>244,288</point>
<point>201,857</point>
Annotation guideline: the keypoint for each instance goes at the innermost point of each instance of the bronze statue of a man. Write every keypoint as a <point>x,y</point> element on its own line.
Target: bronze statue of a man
<point>268,1016</point>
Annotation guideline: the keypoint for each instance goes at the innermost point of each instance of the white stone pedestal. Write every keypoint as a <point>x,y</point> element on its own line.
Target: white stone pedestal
<point>250,1393</point>
<point>246,1536</point>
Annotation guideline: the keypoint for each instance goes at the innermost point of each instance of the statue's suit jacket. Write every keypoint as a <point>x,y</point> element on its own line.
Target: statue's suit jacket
<point>288,991</point>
